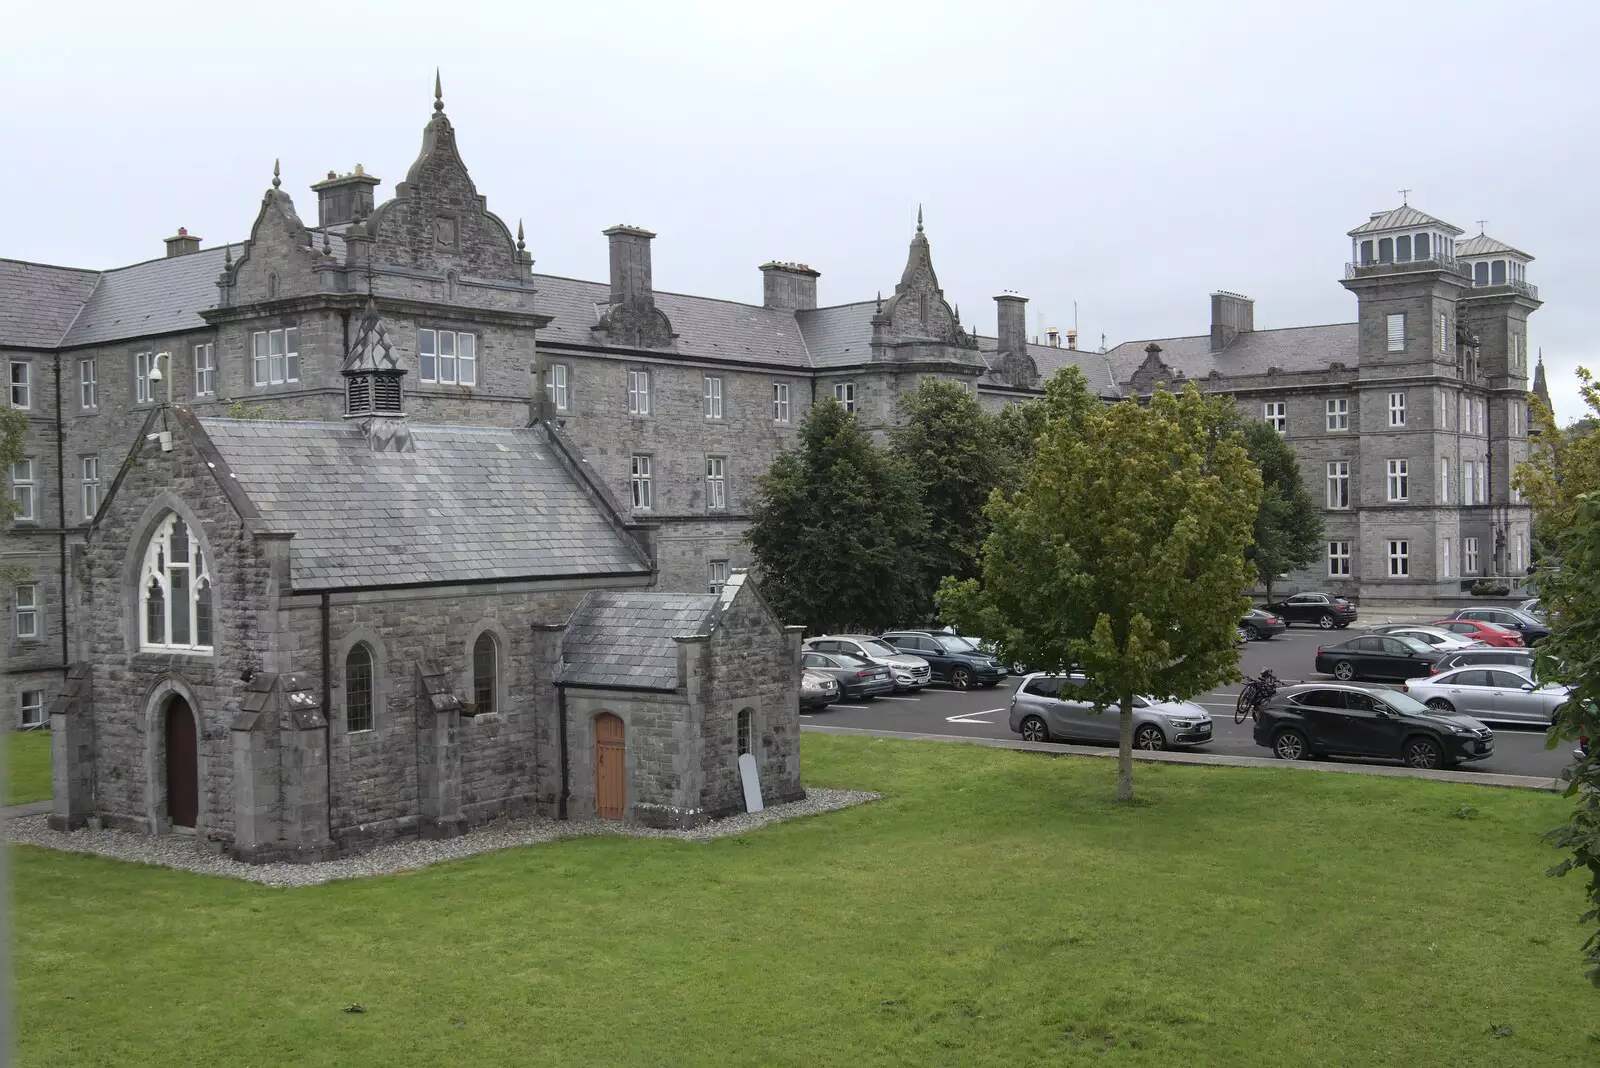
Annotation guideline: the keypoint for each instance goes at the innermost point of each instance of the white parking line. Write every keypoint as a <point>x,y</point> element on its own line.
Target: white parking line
<point>882,698</point>
<point>971,717</point>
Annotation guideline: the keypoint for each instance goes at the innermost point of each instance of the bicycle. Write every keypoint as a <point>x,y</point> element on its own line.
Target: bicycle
<point>1256,693</point>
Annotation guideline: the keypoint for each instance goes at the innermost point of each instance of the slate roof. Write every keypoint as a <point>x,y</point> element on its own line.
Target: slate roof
<point>162,296</point>
<point>38,302</point>
<point>1096,366</point>
<point>1402,218</point>
<point>1299,348</point>
<point>468,504</point>
<point>625,639</point>
<point>1484,245</point>
<point>840,335</point>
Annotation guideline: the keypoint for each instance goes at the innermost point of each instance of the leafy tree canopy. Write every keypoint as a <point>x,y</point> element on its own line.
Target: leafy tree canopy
<point>1561,467</point>
<point>1288,528</point>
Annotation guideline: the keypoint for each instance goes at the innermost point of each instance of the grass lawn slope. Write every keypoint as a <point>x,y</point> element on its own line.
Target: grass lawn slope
<point>27,766</point>
<point>997,908</point>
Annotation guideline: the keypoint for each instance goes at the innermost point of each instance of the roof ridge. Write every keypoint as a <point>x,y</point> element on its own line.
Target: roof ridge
<point>52,266</point>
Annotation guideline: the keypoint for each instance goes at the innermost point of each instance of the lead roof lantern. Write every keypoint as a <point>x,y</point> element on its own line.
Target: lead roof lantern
<point>1403,235</point>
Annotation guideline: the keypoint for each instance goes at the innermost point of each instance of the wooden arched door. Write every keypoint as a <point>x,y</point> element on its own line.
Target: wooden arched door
<point>610,767</point>
<point>183,765</point>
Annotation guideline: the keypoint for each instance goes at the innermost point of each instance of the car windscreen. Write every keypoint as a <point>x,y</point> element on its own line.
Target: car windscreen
<point>952,644</point>
<point>1523,617</point>
<point>877,648</point>
<point>1403,703</point>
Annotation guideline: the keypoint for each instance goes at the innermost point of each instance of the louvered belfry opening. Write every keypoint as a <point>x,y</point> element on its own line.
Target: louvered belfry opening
<point>372,378</point>
<point>358,394</point>
<point>386,397</point>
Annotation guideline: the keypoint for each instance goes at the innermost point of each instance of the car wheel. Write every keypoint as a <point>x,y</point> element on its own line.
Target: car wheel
<point>1251,634</point>
<point>1149,737</point>
<point>1441,705</point>
<point>1290,745</point>
<point>1422,752</point>
<point>1327,622</point>
<point>1344,671</point>
<point>960,678</point>
<point>1034,730</point>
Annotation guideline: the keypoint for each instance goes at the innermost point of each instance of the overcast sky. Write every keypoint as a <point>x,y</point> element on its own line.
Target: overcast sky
<point>1126,157</point>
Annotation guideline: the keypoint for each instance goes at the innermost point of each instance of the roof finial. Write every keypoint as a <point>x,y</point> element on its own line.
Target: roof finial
<point>327,245</point>
<point>919,218</point>
<point>880,301</point>
<point>438,91</point>
<point>275,182</point>
<point>1482,225</point>
<point>1405,197</point>
<point>521,244</point>
<point>227,255</point>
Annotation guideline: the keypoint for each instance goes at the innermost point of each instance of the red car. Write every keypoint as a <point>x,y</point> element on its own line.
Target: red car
<point>1487,633</point>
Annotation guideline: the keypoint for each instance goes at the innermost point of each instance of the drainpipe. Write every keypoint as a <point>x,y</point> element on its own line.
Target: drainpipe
<point>561,709</point>
<point>61,515</point>
<point>327,715</point>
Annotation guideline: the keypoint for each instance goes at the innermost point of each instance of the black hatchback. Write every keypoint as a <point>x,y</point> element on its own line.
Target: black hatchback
<point>1314,719</point>
<point>1377,656</point>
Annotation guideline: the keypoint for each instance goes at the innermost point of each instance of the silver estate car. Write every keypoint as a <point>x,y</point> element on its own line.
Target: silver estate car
<point>1497,693</point>
<point>1047,708</point>
<point>910,673</point>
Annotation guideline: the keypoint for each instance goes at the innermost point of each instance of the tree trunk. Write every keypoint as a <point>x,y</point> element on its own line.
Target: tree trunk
<point>1125,749</point>
<point>1267,582</point>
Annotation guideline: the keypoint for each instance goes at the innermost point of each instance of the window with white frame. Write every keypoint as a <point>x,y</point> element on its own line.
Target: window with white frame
<point>1276,415</point>
<point>638,392</point>
<point>205,370</point>
<point>1480,416</point>
<point>1469,482</point>
<point>1397,409</point>
<point>639,478</point>
<point>1465,423</point>
<point>1444,480</point>
<point>1444,409</point>
<point>718,575</point>
<point>1399,480</point>
<point>1399,559</point>
<point>1444,559</point>
<point>780,402</point>
<point>1338,483</point>
<point>1483,482</point>
<point>22,490</point>
<point>716,482</point>
<point>1444,333</point>
<point>1396,331</point>
<point>275,356</point>
<point>1469,556</point>
<point>143,389</point>
<point>175,590</point>
<point>1338,558</point>
<point>555,385</point>
<point>713,397</point>
<point>1518,546</point>
<point>90,470</point>
<point>1515,411</point>
<point>32,709</point>
<point>88,383</point>
<point>1339,413</point>
<point>447,357</point>
<point>25,610</point>
<point>845,394</point>
<point>1516,351</point>
<point>21,384</point>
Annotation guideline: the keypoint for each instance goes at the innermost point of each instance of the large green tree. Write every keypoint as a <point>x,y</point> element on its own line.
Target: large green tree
<point>13,435</point>
<point>1124,553</point>
<point>838,529</point>
<point>1288,527</point>
<point>1562,466</point>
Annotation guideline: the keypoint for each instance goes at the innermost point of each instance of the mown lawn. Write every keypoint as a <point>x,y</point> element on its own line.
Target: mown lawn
<point>995,909</point>
<point>27,766</point>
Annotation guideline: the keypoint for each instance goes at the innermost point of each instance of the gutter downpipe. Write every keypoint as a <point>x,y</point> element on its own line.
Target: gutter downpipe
<point>566,792</point>
<point>327,714</point>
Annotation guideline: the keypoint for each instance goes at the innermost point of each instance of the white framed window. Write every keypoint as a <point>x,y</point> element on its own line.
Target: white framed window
<point>1469,554</point>
<point>447,357</point>
<point>1444,332</point>
<point>639,478</point>
<point>1276,414</point>
<point>1515,412</point>
<point>555,385</point>
<point>1399,480</point>
<point>90,467</point>
<point>845,394</point>
<point>1481,419</point>
<point>1339,413</point>
<point>780,402</point>
<point>716,482</point>
<point>1516,351</point>
<point>1518,553</point>
<point>205,370</point>
<point>1444,409</point>
<point>638,392</point>
<point>1444,559</point>
<point>88,383</point>
<point>1469,482</point>
<point>21,384</point>
<point>32,708</point>
<point>22,489</point>
<point>143,390</point>
<point>275,356</point>
<point>1397,409</point>
<point>1338,483</point>
<point>713,397</point>
<point>717,575</point>
<point>1444,480</point>
<point>1396,332</point>
<point>1338,558</point>
<point>25,610</point>
<point>1399,559</point>
<point>175,590</point>
<point>1483,482</point>
<point>1465,423</point>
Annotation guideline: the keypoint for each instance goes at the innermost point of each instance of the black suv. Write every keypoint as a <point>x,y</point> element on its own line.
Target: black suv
<point>1323,609</point>
<point>954,659</point>
<point>1325,717</point>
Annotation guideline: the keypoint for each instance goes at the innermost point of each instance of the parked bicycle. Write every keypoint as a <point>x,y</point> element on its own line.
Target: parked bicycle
<point>1256,693</point>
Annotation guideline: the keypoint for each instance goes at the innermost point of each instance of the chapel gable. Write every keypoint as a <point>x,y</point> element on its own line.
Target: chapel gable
<point>278,259</point>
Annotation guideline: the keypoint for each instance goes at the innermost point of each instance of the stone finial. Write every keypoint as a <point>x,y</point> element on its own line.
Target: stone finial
<point>522,245</point>
<point>276,182</point>
<point>880,302</point>
<point>438,92</point>
<point>227,255</point>
<point>327,245</point>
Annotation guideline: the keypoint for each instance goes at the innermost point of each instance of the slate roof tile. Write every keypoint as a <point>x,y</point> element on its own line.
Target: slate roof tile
<point>626,639</point>
<point>1299,348</point>
<point>38,302</point>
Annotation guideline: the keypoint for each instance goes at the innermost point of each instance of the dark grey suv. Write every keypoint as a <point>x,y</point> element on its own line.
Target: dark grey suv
<point>953,660</point>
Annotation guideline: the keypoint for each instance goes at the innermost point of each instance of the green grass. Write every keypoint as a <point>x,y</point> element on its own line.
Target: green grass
<point>997,908</point>
<point>27,767</point>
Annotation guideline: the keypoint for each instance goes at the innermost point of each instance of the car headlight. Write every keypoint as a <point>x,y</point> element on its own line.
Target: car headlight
<point>1457,729</point>
<point>1183,724</point>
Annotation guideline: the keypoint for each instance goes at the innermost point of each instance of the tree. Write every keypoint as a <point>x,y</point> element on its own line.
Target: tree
<point>838,529</point>
<point>13,435</point>
<point>1562,466</point>
<point>1288,528</point>
<point>1124,553</point>
<point>1016,429</point>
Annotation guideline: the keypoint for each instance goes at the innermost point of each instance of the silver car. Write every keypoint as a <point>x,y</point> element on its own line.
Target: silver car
<point>1443,641</point>
<point>910,673</point>
<point>1498,693</point>
<point>1048,708</point>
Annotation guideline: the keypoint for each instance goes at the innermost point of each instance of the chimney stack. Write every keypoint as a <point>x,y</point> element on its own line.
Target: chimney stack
<point>1055,337</point>
<point>788,286</point>
<point>1231,315</point>
<point>630,265</point>
<point>343,198</point>
<point>1012,309</point>
<point>1072,339</point>
<point>182,243</point>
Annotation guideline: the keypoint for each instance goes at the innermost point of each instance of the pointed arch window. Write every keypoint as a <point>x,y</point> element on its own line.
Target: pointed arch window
<point>742,729</point>
<point>358,689</point>
<point>485,663</point>
<point>175,591</point>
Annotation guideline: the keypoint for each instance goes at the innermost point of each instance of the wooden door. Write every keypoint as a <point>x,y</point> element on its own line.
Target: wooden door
<point>183,765</point>
<point>610,767</point>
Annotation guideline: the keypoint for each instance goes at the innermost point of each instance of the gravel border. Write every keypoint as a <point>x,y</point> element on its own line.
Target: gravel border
<point>186,854</point>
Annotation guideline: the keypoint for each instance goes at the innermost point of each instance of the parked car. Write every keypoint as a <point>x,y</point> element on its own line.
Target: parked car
<point>1323,609</point>
<point>857,676</point>
<point>1533,608</point>
<point>1056,708</point>
<point>1258,625</point>
<point>1315,718</point>
<point>817,689</point>
<point>1532,631</point>
<point>910,673</point>
<point>1484,656</point>
<point>1487,633</point>
<point>1498,694</point>
<point>1441,639</point>
<point>953,659</point>
<point>1376,656</point>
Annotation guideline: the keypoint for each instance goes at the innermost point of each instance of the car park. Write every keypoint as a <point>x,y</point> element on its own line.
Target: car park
<point>817,689</point>
<point>1324,610</point>
<point>1376,656</point>
<point>910,673</point>
<point>1498,694</point>
<point>1533,607</point>
<point>1048,707</point>
<point>1441,639</point>
<point>1484,656</point>
<point>1258,625</point>
<point>1487,633</point>
<point>954,660</point>
<point>1532,630</point>
<point>858,677</point>
<point>1317,719</point>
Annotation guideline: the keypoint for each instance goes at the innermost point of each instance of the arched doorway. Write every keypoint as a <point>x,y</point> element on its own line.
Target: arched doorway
<point>610,767</point>
<point>183,765</point>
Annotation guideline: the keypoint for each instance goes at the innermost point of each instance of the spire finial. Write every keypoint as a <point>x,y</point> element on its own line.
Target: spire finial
<point>521,244</point>
<point>227,255</point>
<point>1405,197</point>
<point>327,245</point>
<point>919,218</point>
<point>1482,225</point>
<point>880,301</point>
<point>438,91</point>
<point>275,181</point>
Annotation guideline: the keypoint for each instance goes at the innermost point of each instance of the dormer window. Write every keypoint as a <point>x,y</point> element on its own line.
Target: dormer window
<point>1421,247</point>
<point>175,592</point>
<point>1385,250</point>
<point>1402,248</point>
<point>1497,273</point>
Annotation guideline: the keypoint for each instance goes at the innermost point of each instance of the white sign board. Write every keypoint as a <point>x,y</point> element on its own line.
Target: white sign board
<point>752,782</point>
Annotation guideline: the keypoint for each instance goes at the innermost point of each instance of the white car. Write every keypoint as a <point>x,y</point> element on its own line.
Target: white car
<point>910,673</point>
<point>1443,641</point>
<point>1503,693</point>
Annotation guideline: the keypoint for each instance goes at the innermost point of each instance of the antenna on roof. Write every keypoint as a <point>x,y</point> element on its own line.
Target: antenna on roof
<point>1405,197</point>
<point>1482,225</point>
<point>1074,317</point>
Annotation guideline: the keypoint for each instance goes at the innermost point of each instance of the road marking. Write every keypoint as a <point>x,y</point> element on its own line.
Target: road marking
<point>882,698</point>
<point>969,717</point>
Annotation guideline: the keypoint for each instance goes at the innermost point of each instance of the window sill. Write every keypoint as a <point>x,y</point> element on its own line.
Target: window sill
<point>482,717</point>
<point>175,650</point>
